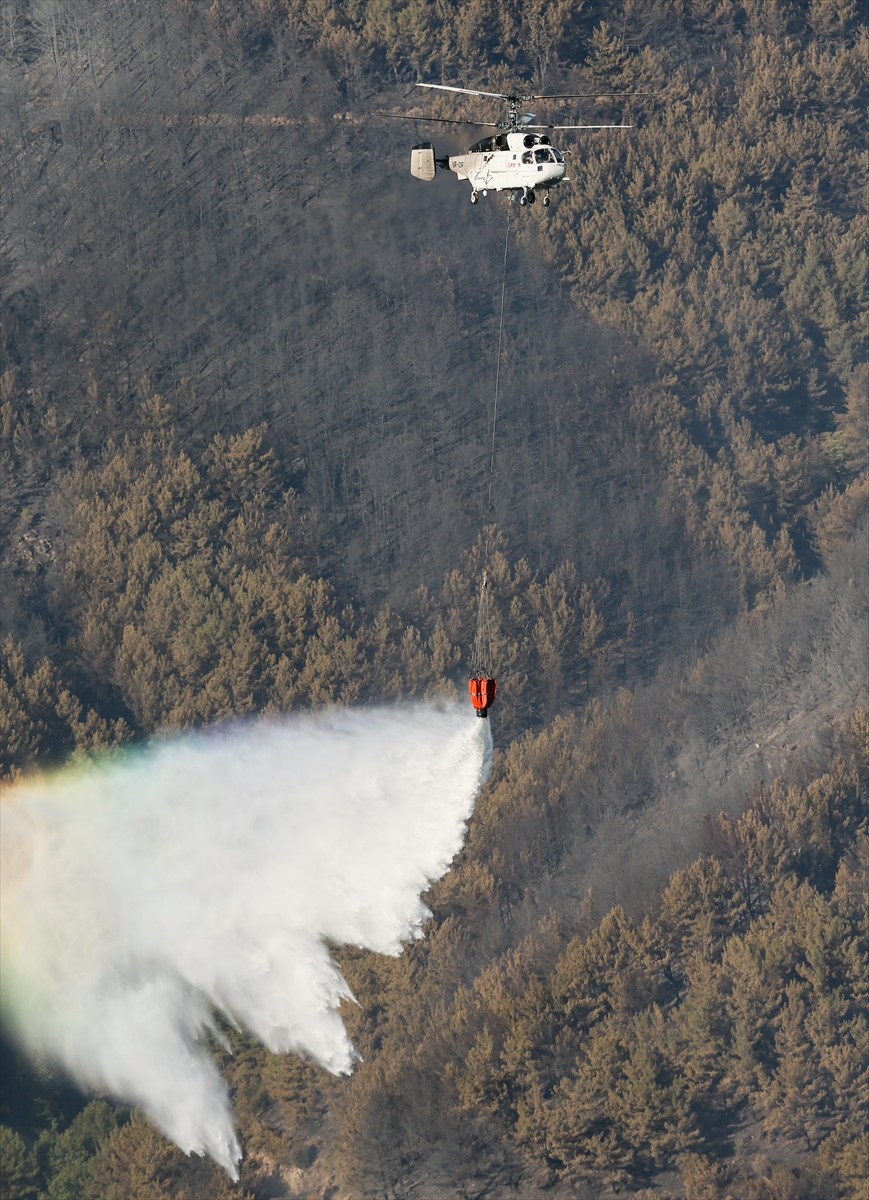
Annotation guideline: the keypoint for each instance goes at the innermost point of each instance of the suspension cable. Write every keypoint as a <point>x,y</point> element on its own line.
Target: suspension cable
<point>482,665</point>
<point>497,385</point>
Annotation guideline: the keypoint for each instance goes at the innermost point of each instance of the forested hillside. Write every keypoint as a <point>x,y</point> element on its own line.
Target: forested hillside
<point>716,1046</point>
<point>247,383</point>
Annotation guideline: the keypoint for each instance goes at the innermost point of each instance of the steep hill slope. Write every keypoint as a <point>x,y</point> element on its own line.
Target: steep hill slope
<point>247,385</point>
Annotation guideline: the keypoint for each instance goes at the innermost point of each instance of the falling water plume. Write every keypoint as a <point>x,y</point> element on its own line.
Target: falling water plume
<point>206,873</point>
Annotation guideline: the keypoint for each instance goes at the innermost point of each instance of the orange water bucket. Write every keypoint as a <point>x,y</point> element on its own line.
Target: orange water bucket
<point>482,692</point>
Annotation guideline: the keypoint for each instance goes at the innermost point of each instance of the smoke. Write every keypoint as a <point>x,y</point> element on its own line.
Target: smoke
<point>204,873</point>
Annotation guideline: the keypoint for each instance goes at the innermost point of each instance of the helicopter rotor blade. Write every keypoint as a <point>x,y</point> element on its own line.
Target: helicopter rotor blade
<point>443,87</point>
<point>587,95</point>
<point>579,127</point>
<point>517,98</point>
<point>439,120</point>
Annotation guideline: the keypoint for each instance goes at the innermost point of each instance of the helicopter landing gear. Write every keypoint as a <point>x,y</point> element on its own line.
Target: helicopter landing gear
<point>474,198</point>
<point>546,200</point>
<point>531,196</point>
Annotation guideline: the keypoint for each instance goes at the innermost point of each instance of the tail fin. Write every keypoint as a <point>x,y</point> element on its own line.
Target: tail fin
<point>422,161</point>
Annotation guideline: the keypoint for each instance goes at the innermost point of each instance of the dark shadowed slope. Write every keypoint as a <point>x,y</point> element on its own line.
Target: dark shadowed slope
<point>295,274</point>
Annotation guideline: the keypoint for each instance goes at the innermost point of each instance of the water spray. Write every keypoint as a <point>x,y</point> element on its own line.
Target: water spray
<point>205,874</point>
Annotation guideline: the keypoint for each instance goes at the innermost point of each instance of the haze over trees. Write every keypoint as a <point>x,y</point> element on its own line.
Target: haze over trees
<point>247,379</point>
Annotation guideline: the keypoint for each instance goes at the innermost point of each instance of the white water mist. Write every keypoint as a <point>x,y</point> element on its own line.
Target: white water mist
<point>205,873</point>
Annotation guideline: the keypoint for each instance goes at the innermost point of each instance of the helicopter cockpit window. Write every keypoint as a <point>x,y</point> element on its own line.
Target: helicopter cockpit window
<point>528,157</point>
<point>559,157</point>
<point>543,156</point>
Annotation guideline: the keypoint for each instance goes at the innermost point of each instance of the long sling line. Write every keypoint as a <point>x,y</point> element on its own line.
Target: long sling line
<point>497,382</point>
<point>481,656</point>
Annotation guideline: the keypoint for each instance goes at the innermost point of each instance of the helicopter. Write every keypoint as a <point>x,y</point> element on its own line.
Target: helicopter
<point>520,158</point>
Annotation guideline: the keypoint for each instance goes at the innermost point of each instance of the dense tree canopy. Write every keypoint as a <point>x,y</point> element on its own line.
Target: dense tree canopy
<point>246,396</point>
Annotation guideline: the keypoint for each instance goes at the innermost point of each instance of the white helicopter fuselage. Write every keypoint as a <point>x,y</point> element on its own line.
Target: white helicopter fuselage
<point>527,162</point>
<point>516,160</point>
